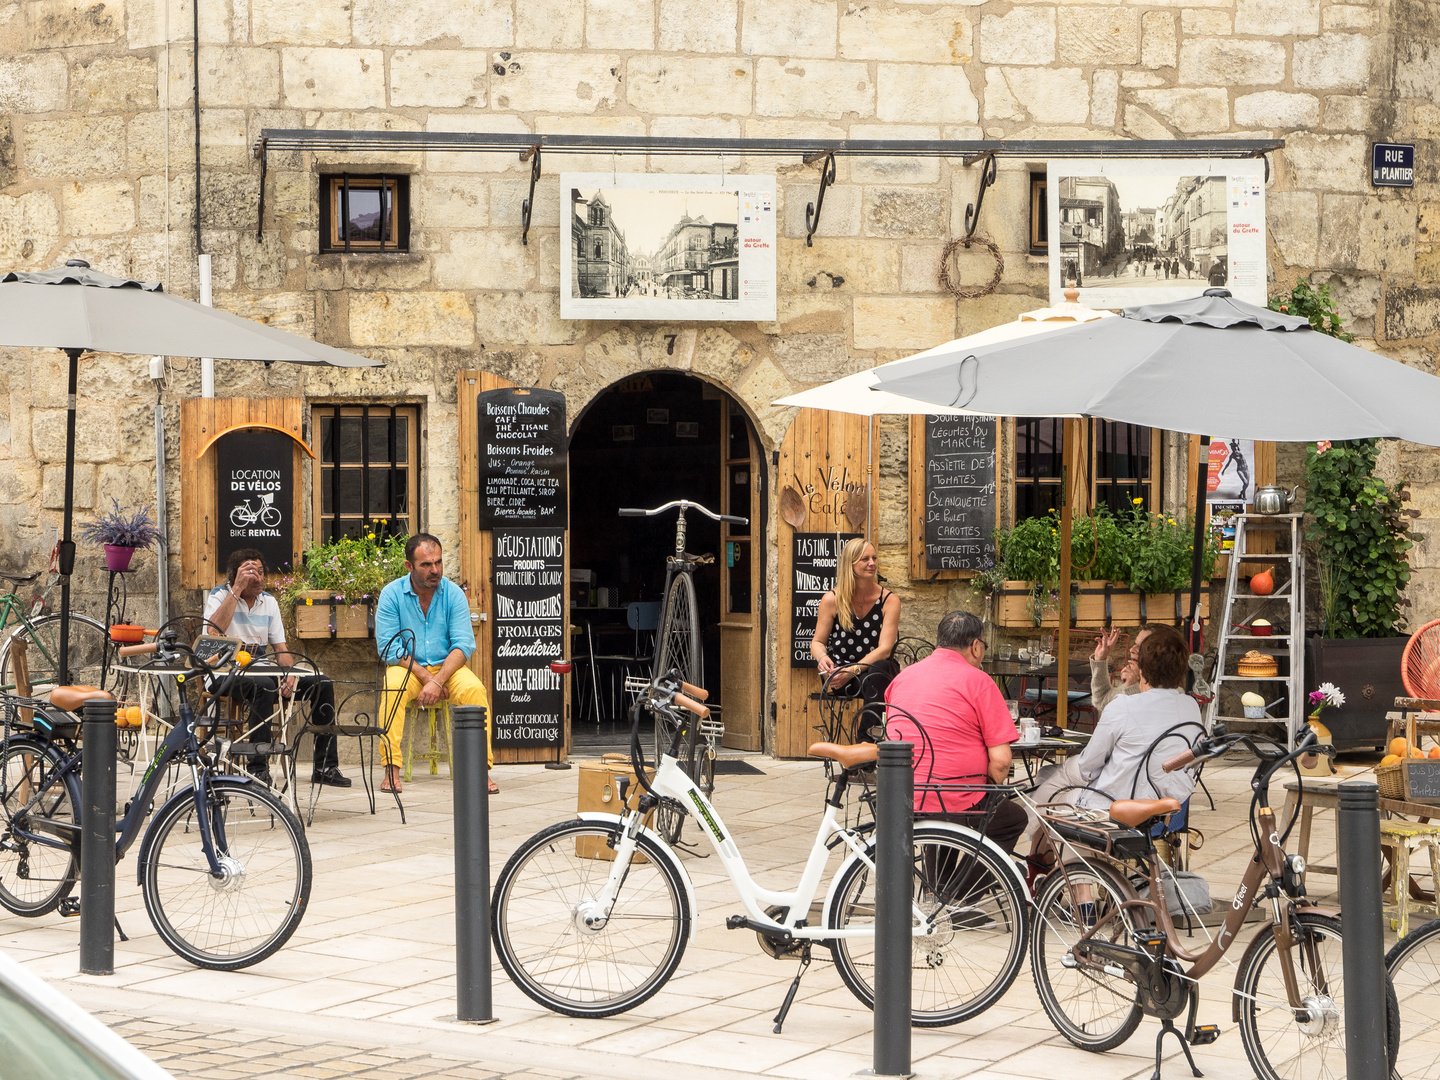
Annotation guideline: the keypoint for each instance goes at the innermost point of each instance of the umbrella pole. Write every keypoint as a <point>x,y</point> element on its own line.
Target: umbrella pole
<point>1070,472</point>
<point>1194,637</point>
<point>67,542</point>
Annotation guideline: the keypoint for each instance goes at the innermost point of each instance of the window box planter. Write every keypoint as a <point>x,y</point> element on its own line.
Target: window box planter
<point>1095,605</point>
<point>324,615</point>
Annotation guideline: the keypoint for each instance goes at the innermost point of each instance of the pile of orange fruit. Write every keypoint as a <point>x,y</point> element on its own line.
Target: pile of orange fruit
<point>133,716</point>
<point>1400,750</point>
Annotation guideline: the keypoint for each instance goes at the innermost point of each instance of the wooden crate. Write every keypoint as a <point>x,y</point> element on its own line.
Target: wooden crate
<point>322,615</point>
<point>1098,604</point>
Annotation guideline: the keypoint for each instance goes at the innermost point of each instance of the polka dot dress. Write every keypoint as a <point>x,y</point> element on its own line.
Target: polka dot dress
<point>853,645</point>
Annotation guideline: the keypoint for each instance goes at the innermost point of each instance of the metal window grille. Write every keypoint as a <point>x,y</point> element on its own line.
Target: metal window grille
<point>349,501</point>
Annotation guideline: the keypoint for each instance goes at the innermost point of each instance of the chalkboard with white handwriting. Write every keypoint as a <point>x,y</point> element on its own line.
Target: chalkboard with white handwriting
<point>959,492</point>
<point>522,459</point>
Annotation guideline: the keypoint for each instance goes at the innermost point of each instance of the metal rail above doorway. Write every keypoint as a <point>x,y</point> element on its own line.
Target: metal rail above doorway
<point>809,151</point>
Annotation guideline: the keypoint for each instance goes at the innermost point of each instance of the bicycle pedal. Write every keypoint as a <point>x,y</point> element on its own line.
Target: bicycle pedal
<point>69,908</point>
<point>736,922</point>
<point>1204,1034</point>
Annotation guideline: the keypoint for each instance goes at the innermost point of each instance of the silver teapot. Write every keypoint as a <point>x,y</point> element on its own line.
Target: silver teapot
<point>1274,500</point>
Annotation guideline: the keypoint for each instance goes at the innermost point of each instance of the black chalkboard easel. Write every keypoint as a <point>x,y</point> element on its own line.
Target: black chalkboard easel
<point>959,495</point>
<point>522,452</point>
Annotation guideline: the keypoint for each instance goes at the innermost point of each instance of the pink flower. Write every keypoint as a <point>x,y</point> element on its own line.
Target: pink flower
<point>1322,446</point>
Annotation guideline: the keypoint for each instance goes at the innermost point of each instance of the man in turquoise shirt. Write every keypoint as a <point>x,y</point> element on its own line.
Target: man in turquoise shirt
<point>433,608</point>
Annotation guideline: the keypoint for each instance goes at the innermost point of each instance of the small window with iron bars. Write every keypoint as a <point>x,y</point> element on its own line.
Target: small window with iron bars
<point>364,213</point>
<point>368,479</point>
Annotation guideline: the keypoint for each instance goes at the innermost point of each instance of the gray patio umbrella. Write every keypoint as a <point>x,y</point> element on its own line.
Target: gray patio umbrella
<point>80,310</point>
<point>1210,364</point>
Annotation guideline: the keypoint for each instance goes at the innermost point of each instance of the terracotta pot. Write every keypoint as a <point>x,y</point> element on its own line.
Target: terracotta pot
<point>118,558</point>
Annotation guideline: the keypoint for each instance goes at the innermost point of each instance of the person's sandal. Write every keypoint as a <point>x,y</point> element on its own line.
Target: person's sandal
<point>494,788</point>
<point>391,784</point>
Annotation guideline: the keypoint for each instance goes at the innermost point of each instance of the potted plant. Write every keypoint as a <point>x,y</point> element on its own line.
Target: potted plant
<point>333,594</point>
<point>121,532</point>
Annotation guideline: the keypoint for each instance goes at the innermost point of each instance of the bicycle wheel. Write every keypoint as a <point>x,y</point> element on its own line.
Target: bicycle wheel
<point>40,828</point>
<point>678,645</point>
<point>243,914</point>
<point>669,819</point>
<point>573,959</point>
<point>980,915</point>
<point>1414,966</point>
<point>1276,1043</point>
<point>91,659</point>
<point>1095,1011</point>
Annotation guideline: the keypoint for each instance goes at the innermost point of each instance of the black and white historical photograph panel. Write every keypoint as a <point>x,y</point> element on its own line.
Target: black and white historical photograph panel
<point>1148,231</point>
<point>667,247</point>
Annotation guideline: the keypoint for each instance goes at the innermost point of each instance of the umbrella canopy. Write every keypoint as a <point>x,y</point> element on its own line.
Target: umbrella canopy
<point>1210,364</point>
<point>80,310</point>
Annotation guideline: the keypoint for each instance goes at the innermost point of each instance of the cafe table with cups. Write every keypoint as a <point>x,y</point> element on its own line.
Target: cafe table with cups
<point>1040,744</point>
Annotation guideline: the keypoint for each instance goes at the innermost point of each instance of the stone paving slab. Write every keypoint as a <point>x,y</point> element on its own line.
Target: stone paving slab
<point>365,987</point>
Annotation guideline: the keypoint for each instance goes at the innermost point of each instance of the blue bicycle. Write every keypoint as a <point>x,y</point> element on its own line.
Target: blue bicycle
<point>224,865</point>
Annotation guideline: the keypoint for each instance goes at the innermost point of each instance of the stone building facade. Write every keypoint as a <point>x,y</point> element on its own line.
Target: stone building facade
<point>97,160</point>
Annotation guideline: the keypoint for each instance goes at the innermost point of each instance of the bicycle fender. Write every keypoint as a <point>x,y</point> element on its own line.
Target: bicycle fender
<point>187,794</point>
<point>946,826</point>
<point>665,850</point>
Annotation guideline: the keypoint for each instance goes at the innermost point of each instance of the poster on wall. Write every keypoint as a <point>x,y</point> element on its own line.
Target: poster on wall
<point>255,503</point>
<point>1232,471</point>
<point>523,460</point>
<point>1139,231</point>
<point>528,633</point>
<point>813,573</point>
<point>668,248</point>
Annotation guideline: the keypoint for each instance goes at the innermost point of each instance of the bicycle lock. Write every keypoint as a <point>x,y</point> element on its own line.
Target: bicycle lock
<point>894,893</point>
<point>1362,947</point>
<point>471,782</point>
<point>97,840</point>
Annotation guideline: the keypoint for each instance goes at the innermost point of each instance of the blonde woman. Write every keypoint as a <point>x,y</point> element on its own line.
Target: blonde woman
<point>858,623</point>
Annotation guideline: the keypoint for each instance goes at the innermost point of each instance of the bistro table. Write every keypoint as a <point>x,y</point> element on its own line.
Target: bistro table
<point>1005,672</point>
<point>1037,754</point>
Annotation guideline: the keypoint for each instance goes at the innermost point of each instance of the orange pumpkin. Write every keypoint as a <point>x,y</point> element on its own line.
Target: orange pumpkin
<point>1262,584</point>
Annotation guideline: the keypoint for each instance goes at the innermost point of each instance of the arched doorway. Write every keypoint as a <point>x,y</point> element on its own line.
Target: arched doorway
<point>647,440</point>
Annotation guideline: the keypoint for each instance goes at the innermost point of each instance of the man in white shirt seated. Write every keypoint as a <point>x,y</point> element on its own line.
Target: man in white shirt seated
<point>241,608</point>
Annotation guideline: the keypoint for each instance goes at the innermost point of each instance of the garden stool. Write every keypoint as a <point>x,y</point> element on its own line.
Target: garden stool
<point>436,715</point>
<point>1401,838</point>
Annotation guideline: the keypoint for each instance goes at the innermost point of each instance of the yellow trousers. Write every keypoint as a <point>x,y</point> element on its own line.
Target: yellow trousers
<point>401,688</point>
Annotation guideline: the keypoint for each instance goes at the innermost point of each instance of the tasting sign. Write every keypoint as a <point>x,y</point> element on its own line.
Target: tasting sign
<point>812,570</point>
<point>959,493</point>
<point>522,453</point>
<point>528,632</point>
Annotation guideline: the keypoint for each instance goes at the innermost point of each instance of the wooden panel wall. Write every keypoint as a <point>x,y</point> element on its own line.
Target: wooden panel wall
<point>820,449</point>
<point>201,419</point>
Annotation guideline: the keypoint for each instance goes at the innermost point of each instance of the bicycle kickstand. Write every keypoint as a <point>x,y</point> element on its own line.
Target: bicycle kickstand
<point>1167,1027</point>
<point>794,987</point>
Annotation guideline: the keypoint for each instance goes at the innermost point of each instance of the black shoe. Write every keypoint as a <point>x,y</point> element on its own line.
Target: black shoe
<point>330,777</point>
<point>261,771</point>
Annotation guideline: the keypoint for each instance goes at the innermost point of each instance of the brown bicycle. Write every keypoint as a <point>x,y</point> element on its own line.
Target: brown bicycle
<point>1103,955</point>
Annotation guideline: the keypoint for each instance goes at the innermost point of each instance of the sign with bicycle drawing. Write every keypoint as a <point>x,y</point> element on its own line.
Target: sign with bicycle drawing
<point>255,481</point>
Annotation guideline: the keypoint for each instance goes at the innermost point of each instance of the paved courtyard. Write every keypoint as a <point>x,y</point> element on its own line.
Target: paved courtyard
<point>365,986</point>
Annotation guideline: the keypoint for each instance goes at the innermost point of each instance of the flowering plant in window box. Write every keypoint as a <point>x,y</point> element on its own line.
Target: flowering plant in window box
<point>333,594</point>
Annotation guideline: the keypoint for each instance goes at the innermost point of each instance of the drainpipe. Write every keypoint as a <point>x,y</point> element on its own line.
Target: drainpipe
<point>162,587</point>
<point>207,364</point>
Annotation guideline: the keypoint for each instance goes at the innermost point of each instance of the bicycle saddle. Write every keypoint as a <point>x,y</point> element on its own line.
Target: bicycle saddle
<point>1135,812</point>
<point>850,757</point>
<point>20,579</point>
<point>72,698</point>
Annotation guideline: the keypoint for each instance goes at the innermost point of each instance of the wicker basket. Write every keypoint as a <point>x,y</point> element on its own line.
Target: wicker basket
<point>1391,780</point>
<point>1256,665</point>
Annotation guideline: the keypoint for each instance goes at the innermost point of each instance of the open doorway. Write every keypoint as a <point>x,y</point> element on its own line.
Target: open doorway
<point>648,440</point>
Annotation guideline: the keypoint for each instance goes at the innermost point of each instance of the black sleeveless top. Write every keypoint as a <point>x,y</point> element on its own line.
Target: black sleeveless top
<point>851,646</point>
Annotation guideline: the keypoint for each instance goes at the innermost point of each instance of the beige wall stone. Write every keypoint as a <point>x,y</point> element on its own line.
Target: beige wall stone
<point>1026,35</point>
<point>58,24</point>
<point>548,24</point>
<point>480,24</point>
<point>1277,18</point>
<point>620,24</point>
<point>33,83</point>
<point>334,78</point>
<point>1362,234</point>
<point>943,36</point>
<point>1206,23</point>
<point>1189,111</point>
<point>410,319</point>
<point>557,82</point>
<point>485,259</point>
<point>904,212</point>
<point>1293,220</point>
<point>530,318</point>
<point>1231,62</point>
<point>237,78</point>
<point>1348,113</point>
<point>822,88</point>
<point>915,93</point>
<point>792,28</point>
<point>114,84</point>
<point>1159,42</point>
<point>29,228</point>
<point>1273,109</point>
<point>866,266</point>
<point>1333,61</point>
<point>74,147</point>
<point>462,202</point>
<point>1050,95</point>
<point>1348,17</point>
<point>699,25</point>
<point>1328,162</point>
<point>889,322</point>
<point>300,22</point>
<point>1104,98</point>
<point>98,207</point>
<point>840,216</point>
<point>707,86</point>
<point>52,496</point>
<point>438,78</point>
<point>1098,35</point>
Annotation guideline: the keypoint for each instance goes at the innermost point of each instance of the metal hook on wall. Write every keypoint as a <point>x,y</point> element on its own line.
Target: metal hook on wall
<point>972,210</point>
<point>528,206</point>
<point>812,210</point>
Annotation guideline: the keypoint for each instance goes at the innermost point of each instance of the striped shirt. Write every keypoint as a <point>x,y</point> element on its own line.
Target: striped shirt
<point>258,625</point>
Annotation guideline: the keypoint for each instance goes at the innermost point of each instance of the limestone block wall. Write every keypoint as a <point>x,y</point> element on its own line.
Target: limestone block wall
<point>97,156</point>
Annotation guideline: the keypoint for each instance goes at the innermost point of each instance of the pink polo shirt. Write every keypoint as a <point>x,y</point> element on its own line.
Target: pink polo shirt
<point>962,713</point>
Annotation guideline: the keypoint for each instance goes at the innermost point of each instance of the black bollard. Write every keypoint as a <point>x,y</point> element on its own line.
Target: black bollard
<point>894,893</point>
<point>97,843</point>
<point>472,865</point>
<point>1363,946</point>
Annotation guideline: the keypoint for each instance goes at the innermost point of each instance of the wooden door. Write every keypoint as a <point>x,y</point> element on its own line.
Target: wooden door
<point>824,460</point>
<point>742,683</point>
<point>477,555</point>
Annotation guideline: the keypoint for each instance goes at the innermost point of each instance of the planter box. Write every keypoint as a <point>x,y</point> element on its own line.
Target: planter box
<point>322,615</point>
<point>1367,671</point>
<point>1095,605</point>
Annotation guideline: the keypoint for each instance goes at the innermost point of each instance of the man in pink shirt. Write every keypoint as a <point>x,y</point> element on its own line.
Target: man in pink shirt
<point>967,729</point>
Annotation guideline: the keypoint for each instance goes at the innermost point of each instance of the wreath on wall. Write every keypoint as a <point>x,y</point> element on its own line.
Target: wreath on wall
<point>950,280</point>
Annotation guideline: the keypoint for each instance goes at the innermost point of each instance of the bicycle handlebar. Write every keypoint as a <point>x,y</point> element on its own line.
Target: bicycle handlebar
<point>683,504</point>
<point>137,650</point>
<point>694,706</point>
<point>695,692</point>
<point>1179,761</point>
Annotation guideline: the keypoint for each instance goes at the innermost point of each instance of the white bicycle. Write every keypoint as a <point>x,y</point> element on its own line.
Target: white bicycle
<point>591,917</point>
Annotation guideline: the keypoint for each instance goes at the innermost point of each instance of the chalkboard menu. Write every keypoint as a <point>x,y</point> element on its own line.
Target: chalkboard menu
<point>959,532</point>
<point>255,503</point>
<point>528,632</point>
<point>1423,778</point>
<point>522,458</point>
<point>812,575</point>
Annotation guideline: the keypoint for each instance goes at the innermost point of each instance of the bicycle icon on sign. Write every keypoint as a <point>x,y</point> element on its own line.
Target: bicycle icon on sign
<point>266,514</point>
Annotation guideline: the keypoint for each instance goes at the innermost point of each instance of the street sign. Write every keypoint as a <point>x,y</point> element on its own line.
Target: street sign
<point>1392,165</point>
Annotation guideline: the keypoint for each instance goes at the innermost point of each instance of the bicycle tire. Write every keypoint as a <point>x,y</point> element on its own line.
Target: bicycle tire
<point>985,958</point>
<point>544,944</point>
<point>1413,963</point>
<point>35,877</point>
<point>1095,1011</point>
<point>91,660</point>
<point>1268,1025</point>
<point>669,819</point>
<point>241,919</point>
<point>678,644</point>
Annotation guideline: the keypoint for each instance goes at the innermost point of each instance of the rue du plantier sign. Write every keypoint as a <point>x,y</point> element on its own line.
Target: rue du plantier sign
<point>1392,165</point>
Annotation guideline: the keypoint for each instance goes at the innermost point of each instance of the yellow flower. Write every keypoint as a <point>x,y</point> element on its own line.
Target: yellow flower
<point>371,536</point>
<point>1137,502</point>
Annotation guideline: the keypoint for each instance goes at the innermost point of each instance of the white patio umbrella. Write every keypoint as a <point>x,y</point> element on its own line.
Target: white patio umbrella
<point>78,310</point>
